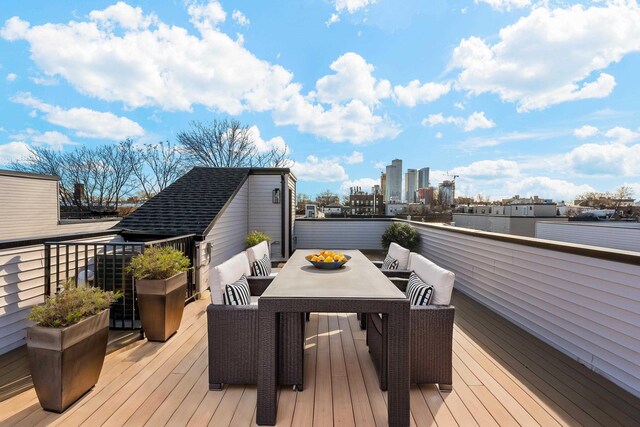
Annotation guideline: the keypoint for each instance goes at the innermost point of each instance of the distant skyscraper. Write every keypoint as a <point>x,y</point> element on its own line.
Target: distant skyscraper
<point>394,181</point>
<point>383,185</point>
<point>446,193</point>
<point>410,185</point>
<point>423,178</point>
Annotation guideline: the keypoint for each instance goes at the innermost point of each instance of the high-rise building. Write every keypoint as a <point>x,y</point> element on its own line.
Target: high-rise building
<point>423,178</point>
<point>446,193</point>
<point>383,185</point>
<point>410,185</point>
<point>393,192</point>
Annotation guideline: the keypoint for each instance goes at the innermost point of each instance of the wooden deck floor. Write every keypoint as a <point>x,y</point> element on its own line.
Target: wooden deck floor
<point>502,376</point>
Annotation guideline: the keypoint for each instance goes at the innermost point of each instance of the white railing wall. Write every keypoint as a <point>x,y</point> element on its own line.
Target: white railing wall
<point>340,233</point>
<point>584,301</point>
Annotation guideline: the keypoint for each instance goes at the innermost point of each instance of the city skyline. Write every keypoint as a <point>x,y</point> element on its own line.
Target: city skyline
<point>515,97</point>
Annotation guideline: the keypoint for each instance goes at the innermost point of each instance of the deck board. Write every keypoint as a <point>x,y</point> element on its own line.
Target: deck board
<point>502,376</point>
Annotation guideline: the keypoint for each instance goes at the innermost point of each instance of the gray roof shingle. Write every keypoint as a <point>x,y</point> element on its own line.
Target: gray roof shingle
<point>189,205</point>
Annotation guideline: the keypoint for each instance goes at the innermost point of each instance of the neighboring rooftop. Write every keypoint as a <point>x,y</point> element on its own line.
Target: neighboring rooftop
<point>192,203</point>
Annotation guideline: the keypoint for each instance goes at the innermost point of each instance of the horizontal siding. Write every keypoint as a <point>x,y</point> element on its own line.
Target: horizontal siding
<point>22,286</point>
<point>227,235</point>
<point>586,307</point>
<point>624,238</point>
<point>27,205</point>
<point>264,215</point>
<point>340,234</point>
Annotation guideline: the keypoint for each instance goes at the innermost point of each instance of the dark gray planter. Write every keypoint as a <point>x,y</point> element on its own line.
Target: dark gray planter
<point>161,303</point>
<point>65,363</point>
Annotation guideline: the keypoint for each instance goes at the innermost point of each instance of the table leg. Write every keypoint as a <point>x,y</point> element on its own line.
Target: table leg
<point>267,404</point>
<point>399,323</point>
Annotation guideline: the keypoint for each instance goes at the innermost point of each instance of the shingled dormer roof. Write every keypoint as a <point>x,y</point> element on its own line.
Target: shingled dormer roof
<point>189,205</point>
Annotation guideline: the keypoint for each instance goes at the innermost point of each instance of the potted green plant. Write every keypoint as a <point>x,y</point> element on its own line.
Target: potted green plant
<point>67,345</point>
<point>256,237</point>
<point>161,287</point>
<point>401,233</point>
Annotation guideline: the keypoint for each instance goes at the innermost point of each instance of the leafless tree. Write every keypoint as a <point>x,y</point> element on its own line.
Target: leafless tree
<point>156,166</point>
<point>326,198</point>
<point>227,143</point>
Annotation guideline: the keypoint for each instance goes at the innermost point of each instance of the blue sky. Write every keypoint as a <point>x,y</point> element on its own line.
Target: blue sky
<point>514,96</point>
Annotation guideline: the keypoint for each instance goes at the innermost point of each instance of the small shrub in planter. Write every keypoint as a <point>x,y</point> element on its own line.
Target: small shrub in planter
<point>161,287</point>
<point>66,347</point>
<point>403,234</point>
<point>256,237</point>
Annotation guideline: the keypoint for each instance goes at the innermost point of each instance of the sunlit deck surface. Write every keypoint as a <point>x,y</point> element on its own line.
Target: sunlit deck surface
<point>502,376</point>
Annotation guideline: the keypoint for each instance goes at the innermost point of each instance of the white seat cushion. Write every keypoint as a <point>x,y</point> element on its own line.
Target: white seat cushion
<point>227,273</point>
<point>258,251</point>
<point>401,254</point>
<point>254,300</point>
<point>434,275</point>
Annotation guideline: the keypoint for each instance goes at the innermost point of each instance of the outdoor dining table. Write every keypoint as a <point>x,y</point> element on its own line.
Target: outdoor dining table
<point>357,287</point>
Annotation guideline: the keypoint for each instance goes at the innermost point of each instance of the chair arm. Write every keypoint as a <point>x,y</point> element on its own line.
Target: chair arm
<point>258,284</point>
<point>403,274</point>
<point>377,263</point>
<point>427,314</point>
<point>400,283</point>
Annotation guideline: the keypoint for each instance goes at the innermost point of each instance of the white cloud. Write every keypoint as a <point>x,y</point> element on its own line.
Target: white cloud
<point>352,80</point>
<point>352,6</point>
<point>353,122</point>
<point>552,55</point>
<point>380,165</point>
<point>585,131</point>
<point>263,146</point>
<point>488,169</point>
<point>622,135</point>
<point>153,64</point>
<point>476,120</point>
<point>11,77</point>
<point>415,93</point>
<point>556,189</point>
<point>354,158</point>
<point>332,19</point>
<point>240,18</point>
<point>53,139</point>
<point>124,16</point>
<point>364,183</point>
<point>85,122</point>
<point>319,170</point>
<point>459,105</point>
<point>505,5</point>
<point>439,135</point>
<point>13,151</point>
<point>614,159</point>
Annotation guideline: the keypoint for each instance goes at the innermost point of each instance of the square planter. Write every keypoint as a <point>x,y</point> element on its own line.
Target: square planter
<point>65,363</point>
<point>161,303</point>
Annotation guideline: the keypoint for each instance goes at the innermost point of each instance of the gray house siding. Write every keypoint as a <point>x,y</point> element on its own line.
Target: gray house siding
<point>28,206</point>
<point>340,233</point>
<point>226,237</point>
<point>264,215</point>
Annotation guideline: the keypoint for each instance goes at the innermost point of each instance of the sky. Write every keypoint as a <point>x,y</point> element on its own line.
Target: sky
<point>514,96</point>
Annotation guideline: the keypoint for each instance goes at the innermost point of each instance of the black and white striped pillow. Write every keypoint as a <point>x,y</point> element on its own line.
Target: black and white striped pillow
<point>261,267</point>
<point>390,263</point>
<point>418,292</point>
<point>237,293</point>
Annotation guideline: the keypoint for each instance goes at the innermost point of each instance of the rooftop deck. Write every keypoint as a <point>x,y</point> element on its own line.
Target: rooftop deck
<point>502,376</point>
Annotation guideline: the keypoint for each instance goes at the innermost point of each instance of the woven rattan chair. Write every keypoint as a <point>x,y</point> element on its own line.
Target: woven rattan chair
<point>233,334</point>
<point>431,338</point>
